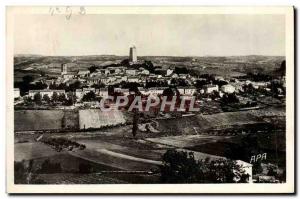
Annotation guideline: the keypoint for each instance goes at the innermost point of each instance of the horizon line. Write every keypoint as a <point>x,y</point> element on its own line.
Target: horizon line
<point>20,54</point>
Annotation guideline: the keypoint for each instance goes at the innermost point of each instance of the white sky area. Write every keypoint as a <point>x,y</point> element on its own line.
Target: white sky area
<point>160,35</point>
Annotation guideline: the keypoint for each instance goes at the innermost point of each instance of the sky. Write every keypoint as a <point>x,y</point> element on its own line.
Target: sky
<point>153,35</point>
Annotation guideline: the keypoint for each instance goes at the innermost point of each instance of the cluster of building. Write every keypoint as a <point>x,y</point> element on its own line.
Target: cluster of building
<point>114,75</point>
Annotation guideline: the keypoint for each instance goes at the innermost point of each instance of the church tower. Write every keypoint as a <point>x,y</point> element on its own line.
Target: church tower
<point>64,69</point>
<point>132,55</point>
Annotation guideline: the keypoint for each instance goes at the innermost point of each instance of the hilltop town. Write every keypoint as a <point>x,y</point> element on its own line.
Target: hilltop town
<point>240,101</point>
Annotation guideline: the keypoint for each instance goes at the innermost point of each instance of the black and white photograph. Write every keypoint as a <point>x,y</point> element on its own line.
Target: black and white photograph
<point>148,96</point>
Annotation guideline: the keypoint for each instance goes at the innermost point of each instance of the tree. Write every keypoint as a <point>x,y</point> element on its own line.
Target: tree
<point>90,96</point>
<point>37,86</point>
<point>271,170</point>
<point>99,85</point>
<point>170,92</point>
<point>74,86</point>
<point>180,167</point>
<point>181,70</point>
<point>257,168</point>
<point>27,100</point>
<point>25,84</point>
<point>149,66</point>
<point>27,79</point>
<point>230,98</point>
<point>282,68</point>
<point>25,173</point>
<point>62,98</point>
<point>54,97</point>
<point>135,121</point>
<point>46,98</point>
<point>71,99</point>
<point>93,69</point>
<point>37,98</point>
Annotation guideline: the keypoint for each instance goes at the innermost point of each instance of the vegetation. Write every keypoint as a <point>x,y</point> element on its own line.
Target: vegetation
<point>230,98</point>
<point>181,167</point>
<point>25,174</point>
<point>37,98</point>
<point>61,143</point>
<point>88,97</point>
<point>93,68</point>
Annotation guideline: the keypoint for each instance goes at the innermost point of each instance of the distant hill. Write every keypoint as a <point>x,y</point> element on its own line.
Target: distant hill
<point>219,65</point>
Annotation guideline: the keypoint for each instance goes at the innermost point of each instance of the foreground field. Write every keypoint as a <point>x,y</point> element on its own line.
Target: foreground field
<point>114,154</point>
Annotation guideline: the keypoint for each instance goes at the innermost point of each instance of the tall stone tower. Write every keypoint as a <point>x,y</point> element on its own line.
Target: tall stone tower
<point>64,69</point>
<point>132,55</point>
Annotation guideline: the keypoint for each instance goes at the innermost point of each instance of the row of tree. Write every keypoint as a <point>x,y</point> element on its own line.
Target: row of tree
<point>38,99</point>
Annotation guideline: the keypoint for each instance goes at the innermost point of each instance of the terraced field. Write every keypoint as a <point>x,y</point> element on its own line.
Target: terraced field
<point>94,118</point>
<point>26,120</point>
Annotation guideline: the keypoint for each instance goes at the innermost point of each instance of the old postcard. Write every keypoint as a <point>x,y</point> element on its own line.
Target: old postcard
<point>150,99</point>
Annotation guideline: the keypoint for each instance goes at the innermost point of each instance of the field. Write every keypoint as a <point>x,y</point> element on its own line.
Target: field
<point>243,147</point>
<point>38,120</point>
<point>199,124</point>
<point>26,120</point>
<point>184,141</point>
<point>114,156</point>
<point>35,120</point>
<point>95,118</point>
<point>105,152</point>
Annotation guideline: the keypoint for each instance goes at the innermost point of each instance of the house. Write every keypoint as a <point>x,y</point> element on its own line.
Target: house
<point>125,91</point>
<point>83,73</point>
<point>183,76</point>
<point>103,92</point>
<point>119,70</point>
<point>101,71</point>
<point>238,86</point>
<point>130,72</point>
<point>142,90</point>
<point>209,88</point>
<point>87,90</point>
<point>69,75</point>
<point>219,78</point>
<point>93,80</point>
<point>133,79</point>
<point>186,90</point>
<point>189,90</point>
<point>156,90</point>
<point>16,93</point>
<point>175,75</point>
<point>169,72</point>
<point>104,80</point>
<point>111,78</point>
<point>48,92</point>
<point>160,71</point>
<point>124,78</point>
<point>257,85</point>
<point>79,94</point>
<point>145,72</point>
<point>228,88</point>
